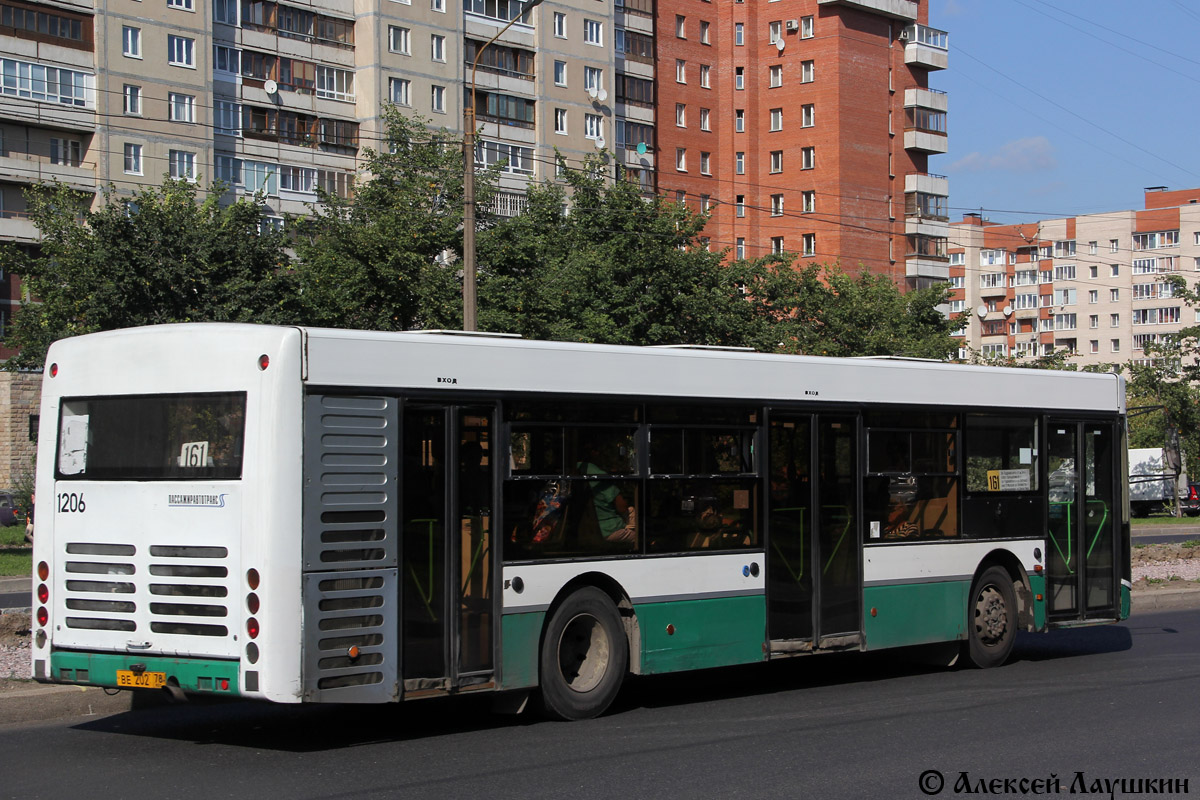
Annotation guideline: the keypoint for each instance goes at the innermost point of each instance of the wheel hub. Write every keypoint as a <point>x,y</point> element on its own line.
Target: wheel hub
<point>991,616</point>
<point>583,653</point>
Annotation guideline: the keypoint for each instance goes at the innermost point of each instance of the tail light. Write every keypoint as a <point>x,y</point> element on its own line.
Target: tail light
<point>1192,493</point>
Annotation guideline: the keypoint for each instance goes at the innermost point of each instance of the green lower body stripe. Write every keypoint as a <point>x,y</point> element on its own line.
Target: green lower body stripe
<point>101,669</point>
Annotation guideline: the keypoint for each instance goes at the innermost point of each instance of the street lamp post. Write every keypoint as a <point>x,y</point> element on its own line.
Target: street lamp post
<point>469,178</point>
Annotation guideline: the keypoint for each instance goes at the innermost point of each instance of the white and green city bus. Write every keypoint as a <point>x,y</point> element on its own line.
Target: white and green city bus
<point>308,515</point>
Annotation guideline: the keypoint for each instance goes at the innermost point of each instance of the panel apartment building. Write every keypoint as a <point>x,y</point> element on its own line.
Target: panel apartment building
<point>1093,285</point>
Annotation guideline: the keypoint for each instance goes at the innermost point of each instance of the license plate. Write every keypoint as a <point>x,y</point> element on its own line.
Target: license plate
<point>144,680</point>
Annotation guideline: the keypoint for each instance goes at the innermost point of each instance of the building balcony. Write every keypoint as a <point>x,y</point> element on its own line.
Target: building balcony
<point>927,183</point>
<point>916,266</point>
<point>931,99</point>
<point>925,141</point>
<point>925,47</point>
<point>26,169</point>
<point>896,9</point>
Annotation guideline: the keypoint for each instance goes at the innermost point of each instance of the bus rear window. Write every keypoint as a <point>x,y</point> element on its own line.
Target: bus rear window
<point>147,438</point>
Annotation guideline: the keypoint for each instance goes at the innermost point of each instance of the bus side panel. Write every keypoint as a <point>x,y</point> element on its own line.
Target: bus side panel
<point>520,635</point>
<point>917,592</point>
<point>915,613</point>
<point>694,634</point>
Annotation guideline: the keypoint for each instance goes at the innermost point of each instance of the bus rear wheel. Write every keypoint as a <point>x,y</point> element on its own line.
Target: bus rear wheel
<point>584,656</point>
<point>992,623</point>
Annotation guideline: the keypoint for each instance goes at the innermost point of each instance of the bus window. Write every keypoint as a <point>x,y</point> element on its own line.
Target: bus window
<point>911,484</point>
<point>162,437</point>
<point>1001,454</point>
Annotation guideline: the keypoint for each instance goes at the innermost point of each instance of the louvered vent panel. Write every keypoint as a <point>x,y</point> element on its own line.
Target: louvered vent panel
<point>350,636</point>
<point>350,479</point>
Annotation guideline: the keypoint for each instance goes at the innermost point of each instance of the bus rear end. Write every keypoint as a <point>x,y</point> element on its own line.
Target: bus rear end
<point>157,547</point>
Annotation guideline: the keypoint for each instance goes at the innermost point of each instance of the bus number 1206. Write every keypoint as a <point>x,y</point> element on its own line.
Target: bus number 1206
<point>70,502</point>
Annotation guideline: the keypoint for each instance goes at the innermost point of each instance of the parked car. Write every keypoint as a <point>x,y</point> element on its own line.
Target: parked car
<point>9,513</point>
<point>1190,503</point>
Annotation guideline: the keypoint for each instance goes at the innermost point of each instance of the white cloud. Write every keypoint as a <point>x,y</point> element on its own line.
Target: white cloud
<point>1031,154</point>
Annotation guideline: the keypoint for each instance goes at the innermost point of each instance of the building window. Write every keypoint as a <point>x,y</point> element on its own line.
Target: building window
<point>740,205</point>
<point>680,27</point>
<point>185,5</point>
<point>807,71</point>
<point>809,244</point>
<point>704,79</point>
<point>437,47</point>
<point>774,32</point>
<point>1114,295</point>
<point>560,25</point>
<point>739,34</point>
<point>133,159</point>
<point>181,51</point>
<point>704,33</point>
<point>398,40</point>
<point>1114,345</point>
<point>1094,346</point>
<point>181,107</point>
<point>1114,320</point>
<point>776,205</point>
<point>808,202</point>
<point>704,114</point>
<point>776,75</point>
<point>1093,320</point>
<point>66,152</point>
<point>593,32</point>
<point>182,165</point>
<point>807,115</point>
<point>681,159</point>
<point>681,115</point>
<point>680,71</point>
<point>739,78</point>
<point>593,79</point>
<point>739,120</point>
<point>806,27</point>
<point>227,60</point>
<point>560,73</point>
<point>1092,249</point>
<point>776,119</point>
<point>400,91</point>
<point>776,161</point>
<point>739,161</point>
<point>593,125</point>
<point>1115,270</point>
<point>704,163</point>
<point>740,249</point>
<point>438,5</point>
<point>1093,296</point>
<point>131,42</point>
<point>1114,245</point>
<point>438,99</point>
<point>560,120</point>
<point>133,100</point>
<point>808,157</point>
<point>225,11</point>
<point>705,203</point>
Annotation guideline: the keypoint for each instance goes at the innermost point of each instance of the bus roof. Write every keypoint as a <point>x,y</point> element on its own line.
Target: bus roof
<point>424,361</point>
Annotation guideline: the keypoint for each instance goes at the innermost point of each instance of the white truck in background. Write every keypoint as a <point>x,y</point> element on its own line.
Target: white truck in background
<point>1153,482</point>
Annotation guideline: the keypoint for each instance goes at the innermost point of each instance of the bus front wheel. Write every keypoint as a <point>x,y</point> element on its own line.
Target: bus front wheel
<point>992,619</point>
<point>584,656</point>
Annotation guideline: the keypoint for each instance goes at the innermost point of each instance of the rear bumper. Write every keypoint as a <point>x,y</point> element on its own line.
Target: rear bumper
<point>199,675</point>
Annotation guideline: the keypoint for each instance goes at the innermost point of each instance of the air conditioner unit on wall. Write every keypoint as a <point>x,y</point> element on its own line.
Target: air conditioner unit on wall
<point>793,25</point>
<point>903,35</point>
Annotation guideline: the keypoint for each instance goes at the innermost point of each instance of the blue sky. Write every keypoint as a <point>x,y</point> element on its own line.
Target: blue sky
<point>1066,107</point>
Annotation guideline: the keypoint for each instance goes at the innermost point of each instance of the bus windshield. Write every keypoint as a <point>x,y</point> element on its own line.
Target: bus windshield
<point>146,438</point>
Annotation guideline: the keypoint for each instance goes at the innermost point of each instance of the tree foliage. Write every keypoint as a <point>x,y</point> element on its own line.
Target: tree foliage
<point>388,259</point>
<point>164,254</point>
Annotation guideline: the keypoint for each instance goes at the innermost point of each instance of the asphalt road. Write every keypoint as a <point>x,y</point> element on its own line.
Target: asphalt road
<point>1110,703</point>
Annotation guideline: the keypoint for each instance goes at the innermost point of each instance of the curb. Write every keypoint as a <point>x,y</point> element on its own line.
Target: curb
<point>1163,599</point>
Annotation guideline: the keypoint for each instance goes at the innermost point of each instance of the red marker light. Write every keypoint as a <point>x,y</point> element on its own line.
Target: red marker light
<point>43,570</point>
<point>43,593</point>
<point>252,579</point>
<point>43,616</point>
<point>54,370</point>
<point>252,603</point>
<point>252,627</point>
<point>264,361</point>
<point>224,684</point>
<point>1037,568</point>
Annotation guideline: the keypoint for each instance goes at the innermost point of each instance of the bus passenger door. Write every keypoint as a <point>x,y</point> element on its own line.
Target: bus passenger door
<point>446,558</point>
<point>1081,570</point>
<point>813,552</point>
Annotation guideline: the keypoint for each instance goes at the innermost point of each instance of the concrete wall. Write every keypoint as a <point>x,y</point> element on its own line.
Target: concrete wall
<point>20,396</point>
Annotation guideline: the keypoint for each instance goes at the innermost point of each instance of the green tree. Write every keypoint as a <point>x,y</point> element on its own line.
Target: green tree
<point>162,255</point>
<point>617,268</point>
<point>387,260</point>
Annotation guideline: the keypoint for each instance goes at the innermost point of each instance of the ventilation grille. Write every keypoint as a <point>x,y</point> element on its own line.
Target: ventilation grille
<point>350,479</point>
<point>171,589</point>
<point>350,652</point>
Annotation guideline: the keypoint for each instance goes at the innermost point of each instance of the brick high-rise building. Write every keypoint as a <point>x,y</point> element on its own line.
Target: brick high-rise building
<point>806,126</point>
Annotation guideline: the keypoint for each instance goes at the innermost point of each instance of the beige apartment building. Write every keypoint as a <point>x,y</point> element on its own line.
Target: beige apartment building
<point>1093,285</point>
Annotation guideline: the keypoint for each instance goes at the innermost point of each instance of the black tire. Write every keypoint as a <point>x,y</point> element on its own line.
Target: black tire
<point>991,618</point>
<point>584,656</point>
